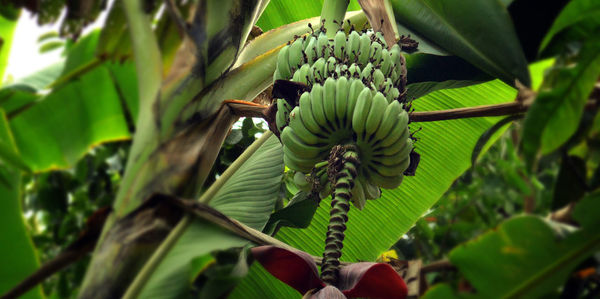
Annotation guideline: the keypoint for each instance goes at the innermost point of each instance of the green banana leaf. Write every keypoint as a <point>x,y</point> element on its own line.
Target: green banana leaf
<point>84,108</point>
<point>493,47</point>
<point>17,255</point>
<point>248,195</point>
<point>282,12</point>
<point>445,149</point>
<point>523,257</point>
<point>576,12</point>
<point>7,28</point>
<point>555,114</point>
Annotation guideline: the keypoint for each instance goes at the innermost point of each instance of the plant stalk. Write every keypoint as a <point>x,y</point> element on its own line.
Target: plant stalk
<point>332,15</point>
<point>343,166</point>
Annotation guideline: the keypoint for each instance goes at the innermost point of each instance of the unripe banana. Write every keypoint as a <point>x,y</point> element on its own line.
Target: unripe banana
<point>341,100</point>
<point>356,87</point>
<point>361,111</point>
<point>364,49</point>
<point>341,70</point>
<point>387,86</point>
<point>353,46</point>
<point>400,129</point>
<point>386,62</point>
<point>277,76</point>
<point>311,50</point>
<point>319,70</point>
<point>371,191</point>
<point>282,116</point>
<point>339,45</point>
<point>317,105</point>
<point>323,46</point>
<point>378,106</point>
<point>354,71</point>
<point>304,74</point>
<point>298,124</point>
<point>378,78</point>
<point>367,72</point>
<point>354,83</point>
<point>283,66</point>
<point>395,55</point>
<point>386,182</point>
<point>390,117</point>
<point>295,56</point>
<point>301,182</point>
<point>330,66</point>
<point>293,162</point>
<point>393,95</point>
<point>329,101</point>
<point>307,115</point>
<point>358,195</point>
<point>375,53</point>
<point>299,148</point>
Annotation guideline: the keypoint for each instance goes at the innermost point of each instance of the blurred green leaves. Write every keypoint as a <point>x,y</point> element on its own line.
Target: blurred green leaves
<point>557,110</point>
<point>450,25</point>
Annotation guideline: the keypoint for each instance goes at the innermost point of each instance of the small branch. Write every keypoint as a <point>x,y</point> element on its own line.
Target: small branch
<point>468,112</point>
<point>249,109</point>
<point>436,266</point>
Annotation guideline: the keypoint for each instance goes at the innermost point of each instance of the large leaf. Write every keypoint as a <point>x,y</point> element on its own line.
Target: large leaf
<point>576,11</point>
<point>450,72</point>
<point>61,128</point>
<point>83,109</point>
<point>555,114</point>
<point>246,192</point>
<point>282,12</point>
<point>7,28</point>
<point>250,194</point>
<point>523,258</point>
<point>17,255</point>
<point>493,47</point>
<point>173,278</point>
<point>445,149</point>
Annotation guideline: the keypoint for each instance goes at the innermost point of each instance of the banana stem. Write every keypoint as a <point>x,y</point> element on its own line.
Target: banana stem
<point>332,15</point>
<point>344,171</point>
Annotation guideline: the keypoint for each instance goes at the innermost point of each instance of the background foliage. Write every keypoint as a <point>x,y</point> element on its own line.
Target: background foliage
<point>507,205</point>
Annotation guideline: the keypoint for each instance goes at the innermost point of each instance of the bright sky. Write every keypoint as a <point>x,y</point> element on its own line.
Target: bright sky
<point>25,57</point>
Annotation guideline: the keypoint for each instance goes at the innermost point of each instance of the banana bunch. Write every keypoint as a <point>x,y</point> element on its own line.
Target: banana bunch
<point>356,94</point>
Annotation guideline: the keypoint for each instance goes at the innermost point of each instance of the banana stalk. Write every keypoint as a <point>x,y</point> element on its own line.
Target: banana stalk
<point>343,167</point>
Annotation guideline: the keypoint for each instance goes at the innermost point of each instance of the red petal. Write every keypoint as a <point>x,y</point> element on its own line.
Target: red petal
<point>328,292</point>
<point>371,280</point>
<point>296,268</point>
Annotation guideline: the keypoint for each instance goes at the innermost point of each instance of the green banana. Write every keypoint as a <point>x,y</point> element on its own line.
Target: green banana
<point>361,111</point>
<point>323,46</point>
<point>295,57</point>
<point>353,46</point>
<point>299,148</point>
<point>388,120</point>
<point>317,105</point>
<point>386,62</point>
<point>358,195</point>
<point>378,106</point>
<point>354,71</point>
<point>283,110</point>
<point>339,45</point>
<point>364,49</point>
<point>283,66</point>
<point>329,101</point>
<point>356,87</point>
<point>341,100</point>
<point>297,123</point>
<point>307,115</point>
